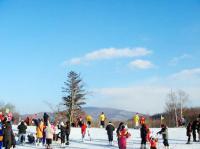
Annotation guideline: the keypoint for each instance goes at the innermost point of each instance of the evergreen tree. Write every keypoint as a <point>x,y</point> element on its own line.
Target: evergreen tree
<point>74,96</point>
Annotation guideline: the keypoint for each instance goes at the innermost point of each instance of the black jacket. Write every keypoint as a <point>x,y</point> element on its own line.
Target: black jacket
<point>143,132</point>
<point>67,129</point>
<point>110,128</point>
<point>22,128</point>
<point>189,129</point>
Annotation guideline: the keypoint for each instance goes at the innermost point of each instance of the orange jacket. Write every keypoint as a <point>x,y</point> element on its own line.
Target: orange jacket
<point>83,128</point>
<point>153,143</point>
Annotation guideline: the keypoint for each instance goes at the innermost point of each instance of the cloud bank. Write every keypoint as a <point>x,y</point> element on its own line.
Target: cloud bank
<point>149,97</point>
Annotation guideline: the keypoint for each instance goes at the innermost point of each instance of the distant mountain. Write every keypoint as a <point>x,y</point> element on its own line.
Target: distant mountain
<point>111,113</point>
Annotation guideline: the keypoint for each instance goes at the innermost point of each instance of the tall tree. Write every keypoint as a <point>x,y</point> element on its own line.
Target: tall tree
<point>175,103</point>
<point>75,95</point>
<point>183,97</point>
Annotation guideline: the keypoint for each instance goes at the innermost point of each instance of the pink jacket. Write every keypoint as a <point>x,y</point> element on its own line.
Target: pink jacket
<point>123,135</point>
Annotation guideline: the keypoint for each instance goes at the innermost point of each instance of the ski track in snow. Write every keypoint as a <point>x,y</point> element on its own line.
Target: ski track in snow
<point>177,139</point>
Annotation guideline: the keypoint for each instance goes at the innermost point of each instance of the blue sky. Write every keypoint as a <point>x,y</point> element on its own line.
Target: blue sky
<point>128,52</point>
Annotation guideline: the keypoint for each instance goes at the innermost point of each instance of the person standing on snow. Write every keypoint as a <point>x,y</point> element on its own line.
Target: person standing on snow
<point>189,131</point>
<point>39,133</point>
<point>22,132</point>
<point>118,132</point>
<point>67,132</point>
<point>123,135</point>
<point>143,135</point>
<point>49,135</point>
<point>164,132</point>
<point>194,128</point>
<point>62,133</point>
<point>110,128</point>
<point>8,136</point>
<point>83,130</point>
<point>136,120</point>
<point>102,119</point>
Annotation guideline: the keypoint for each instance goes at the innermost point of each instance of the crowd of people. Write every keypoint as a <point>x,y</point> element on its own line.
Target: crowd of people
<point>46,131</point>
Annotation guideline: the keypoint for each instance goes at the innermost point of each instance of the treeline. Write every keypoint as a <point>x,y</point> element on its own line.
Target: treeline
<point>189,114</point>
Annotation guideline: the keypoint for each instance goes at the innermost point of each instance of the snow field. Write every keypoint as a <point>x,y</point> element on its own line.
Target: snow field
<point>177,139</point>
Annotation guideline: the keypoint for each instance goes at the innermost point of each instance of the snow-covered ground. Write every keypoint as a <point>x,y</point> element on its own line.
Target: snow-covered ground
<point>177,139</point>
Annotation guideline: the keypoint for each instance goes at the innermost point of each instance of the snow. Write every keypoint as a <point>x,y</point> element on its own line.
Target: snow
<point>177,139</point>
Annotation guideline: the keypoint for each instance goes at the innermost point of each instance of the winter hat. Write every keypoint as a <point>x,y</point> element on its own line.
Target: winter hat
<point>62,124</point>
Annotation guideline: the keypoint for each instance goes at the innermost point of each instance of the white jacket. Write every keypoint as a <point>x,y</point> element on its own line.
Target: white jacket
<point>49,132</point>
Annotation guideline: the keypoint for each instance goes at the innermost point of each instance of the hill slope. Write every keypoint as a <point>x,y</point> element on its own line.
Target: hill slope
<point>111,113</point>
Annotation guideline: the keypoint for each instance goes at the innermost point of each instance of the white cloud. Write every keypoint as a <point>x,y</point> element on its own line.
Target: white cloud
<point>141,64</point>
<point>176,60</point>
<point>149,96</point>
<point>187,74</point>
<point>149,99</point>
<point>143,99</point>
<point>109,53</point>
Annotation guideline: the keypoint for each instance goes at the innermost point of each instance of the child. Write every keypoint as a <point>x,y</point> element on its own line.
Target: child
<point>62,132</point>
<point>83,130</point>
<point>148,133</point>
<point>153,142</point>
<point>110,128</point>
<point>189,131</point>
<point>123,135</point>
<point>164,132</point>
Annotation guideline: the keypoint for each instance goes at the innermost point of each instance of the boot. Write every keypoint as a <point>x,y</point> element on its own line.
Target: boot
<point>67,143</point>
<point>142,146</point>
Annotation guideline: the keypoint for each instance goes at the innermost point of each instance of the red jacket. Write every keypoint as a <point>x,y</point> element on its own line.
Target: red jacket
<point>83,128</point>
<point>153,143</point>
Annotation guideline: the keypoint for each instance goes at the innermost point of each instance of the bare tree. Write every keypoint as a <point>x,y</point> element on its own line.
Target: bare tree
<point>171,106</point>
<point>175,102</point>
<point>183,98</point>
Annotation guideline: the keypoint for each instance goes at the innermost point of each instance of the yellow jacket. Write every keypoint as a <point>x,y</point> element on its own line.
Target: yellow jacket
<point>136,118</point>
<point>39,130</point>
<point>102,117</point>
<point>89,118</point>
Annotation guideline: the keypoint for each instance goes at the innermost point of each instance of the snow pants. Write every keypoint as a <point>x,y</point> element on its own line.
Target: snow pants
<point>144,141</point>
<point>22,138</point>
<point>165,142</point>
<point>62,138</point>
<point>194,135</point>
<point>110,137</point>
<point>67,138</point>
<point>189,136</point>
